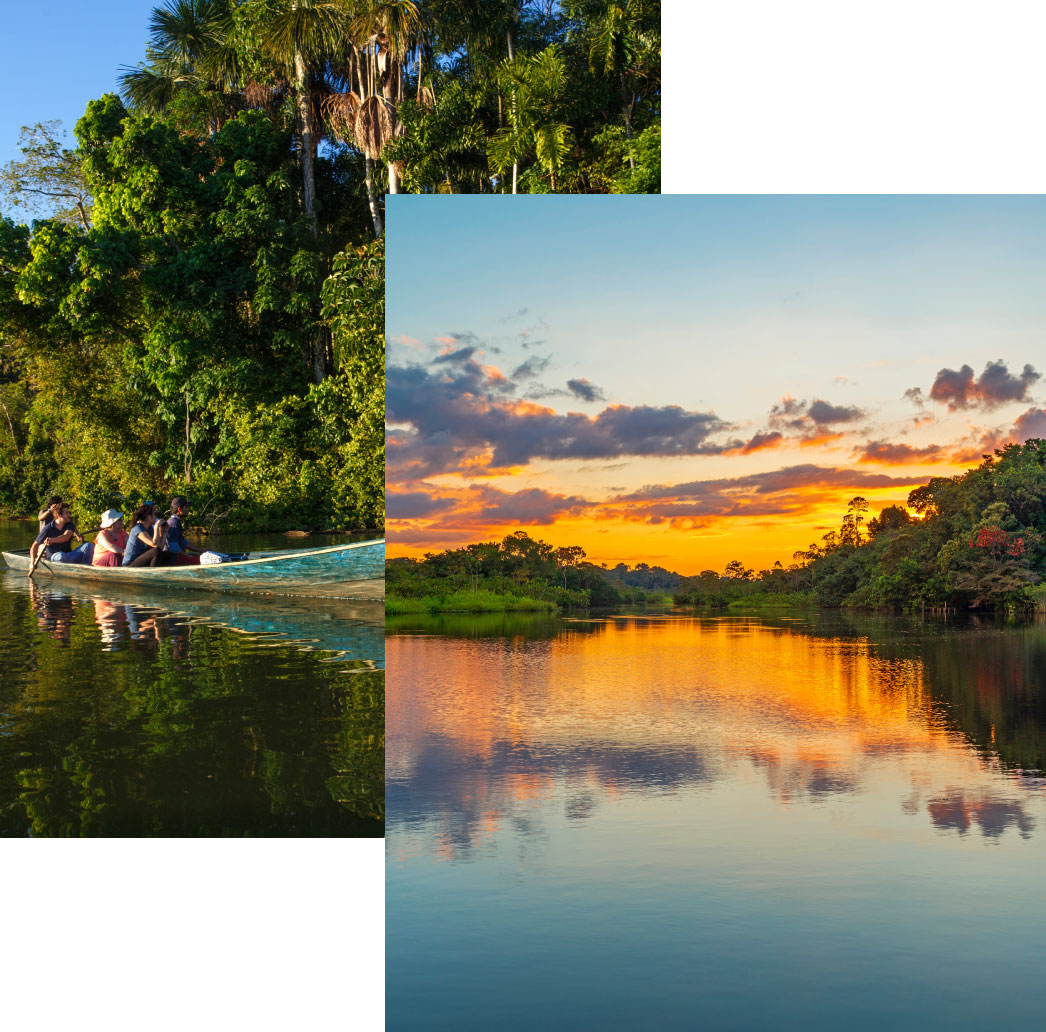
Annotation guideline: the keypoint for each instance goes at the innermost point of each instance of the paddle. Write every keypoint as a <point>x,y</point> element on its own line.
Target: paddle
<point>36,563</point>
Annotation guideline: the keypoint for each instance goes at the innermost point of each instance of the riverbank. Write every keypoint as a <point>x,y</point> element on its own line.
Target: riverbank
<point>480,601</point>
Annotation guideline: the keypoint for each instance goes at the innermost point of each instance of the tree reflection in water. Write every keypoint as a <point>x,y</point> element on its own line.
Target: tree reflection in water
<point>198,717</point>
<point>507,718</point>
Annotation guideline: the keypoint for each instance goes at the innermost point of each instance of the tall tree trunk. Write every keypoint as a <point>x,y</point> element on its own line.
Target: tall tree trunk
<point>515,125</point>
<point>391,104</point>
<point>379,227</point>
<point>627,106</point>
<point>11,427</point>
<point>188,444</point>
<point>308,138</point>
<point>319,356</point>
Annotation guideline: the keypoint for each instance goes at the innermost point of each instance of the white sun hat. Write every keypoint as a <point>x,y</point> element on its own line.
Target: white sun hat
<point>110,517</point>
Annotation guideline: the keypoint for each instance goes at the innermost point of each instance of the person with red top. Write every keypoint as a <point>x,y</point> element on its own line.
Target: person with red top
<point>111,541</point>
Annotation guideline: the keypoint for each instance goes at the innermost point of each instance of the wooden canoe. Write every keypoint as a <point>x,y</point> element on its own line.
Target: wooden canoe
<point>353,571</point>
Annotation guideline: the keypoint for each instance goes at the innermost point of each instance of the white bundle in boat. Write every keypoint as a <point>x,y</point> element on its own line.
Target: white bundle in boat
<point>210,558</point>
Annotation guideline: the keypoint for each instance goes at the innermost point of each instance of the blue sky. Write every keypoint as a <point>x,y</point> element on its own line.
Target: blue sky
<point>60,55</point>
<point>640,287</point>
<point>737,367</point>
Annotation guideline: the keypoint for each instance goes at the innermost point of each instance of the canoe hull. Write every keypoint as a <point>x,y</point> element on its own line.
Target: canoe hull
<point>355,571</point>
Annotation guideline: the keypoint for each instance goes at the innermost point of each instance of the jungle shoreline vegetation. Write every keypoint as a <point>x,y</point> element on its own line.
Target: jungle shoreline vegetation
<point>185,327</point>
<point>196,303</point>
<point>976,541</point>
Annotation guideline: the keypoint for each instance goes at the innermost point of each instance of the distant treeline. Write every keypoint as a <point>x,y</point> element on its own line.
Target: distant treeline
<point>516,573</point>
<point>977,540</point>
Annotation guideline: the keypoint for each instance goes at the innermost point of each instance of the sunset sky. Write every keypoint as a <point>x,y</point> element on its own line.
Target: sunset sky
<point>683,381</point>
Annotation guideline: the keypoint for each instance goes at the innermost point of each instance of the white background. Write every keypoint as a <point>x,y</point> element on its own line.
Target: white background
<point>845,96</point>
<point>779,97</point>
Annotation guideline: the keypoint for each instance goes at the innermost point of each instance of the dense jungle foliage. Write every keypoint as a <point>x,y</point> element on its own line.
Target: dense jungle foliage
<point>974,541</point>
<point>196,306</point>
<point>517,573</point>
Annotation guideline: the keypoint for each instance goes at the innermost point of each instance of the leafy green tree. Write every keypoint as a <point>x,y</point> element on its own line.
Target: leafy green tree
<point>624,43</point>
<point>735,570</point>
<point>49,180</point>
<point>892,517</point>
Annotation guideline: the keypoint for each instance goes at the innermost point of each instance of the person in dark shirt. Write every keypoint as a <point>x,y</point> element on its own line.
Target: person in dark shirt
<point>146,540</point>
<point>44,515</point>
<point>177,544</point>
<point>55,540</point>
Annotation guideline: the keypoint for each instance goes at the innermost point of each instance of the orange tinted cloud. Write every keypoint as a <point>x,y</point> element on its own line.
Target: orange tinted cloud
<point>760,442</point>
<point>456,409</point>
<point>885,453</point>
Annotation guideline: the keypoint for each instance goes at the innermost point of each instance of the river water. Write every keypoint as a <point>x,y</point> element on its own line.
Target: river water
<point>133,712</point>
<point>742,822</point>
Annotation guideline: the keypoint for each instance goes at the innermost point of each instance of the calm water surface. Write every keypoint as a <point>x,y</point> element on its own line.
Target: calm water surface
<point>138,712</point>
<point>743,822</point>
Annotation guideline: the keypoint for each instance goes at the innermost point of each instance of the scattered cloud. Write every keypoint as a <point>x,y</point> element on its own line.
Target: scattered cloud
<point>787,491</point>
<point>532,367</point>
<point>585,390</point>
<point>889,454</point>
<point>811,422</point>
<point>760,442</point>
<point>788,478</point>
<point>822,413</point>
<point>456,409</point>
<point>1029,425</point>
<point>475,508</point>
<point>405,505</point>
<point>996,386</point>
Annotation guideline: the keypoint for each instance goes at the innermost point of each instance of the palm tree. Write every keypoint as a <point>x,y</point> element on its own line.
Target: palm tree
<point>384,43</point>
<point>624,45</point>
<point>191,44</point>
<point>394,27</point>
<point>537,85</point>
<point>299,36</point>
<point>488,29</point>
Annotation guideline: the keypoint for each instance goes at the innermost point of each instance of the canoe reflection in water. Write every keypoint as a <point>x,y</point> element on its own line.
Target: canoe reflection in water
<point>350,632</point>
<point>121,624</point>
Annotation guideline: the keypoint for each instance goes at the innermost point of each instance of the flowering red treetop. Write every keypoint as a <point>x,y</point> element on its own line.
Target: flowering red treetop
<point>996,541</point>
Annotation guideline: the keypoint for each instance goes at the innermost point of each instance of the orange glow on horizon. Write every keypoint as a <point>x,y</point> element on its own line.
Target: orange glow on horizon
<point>659,532</point>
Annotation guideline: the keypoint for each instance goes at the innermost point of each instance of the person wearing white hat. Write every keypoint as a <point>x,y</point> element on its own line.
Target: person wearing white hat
<point>111,540</point>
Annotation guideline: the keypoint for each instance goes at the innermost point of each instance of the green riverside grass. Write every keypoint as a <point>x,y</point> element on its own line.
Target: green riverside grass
<point>467,602</point>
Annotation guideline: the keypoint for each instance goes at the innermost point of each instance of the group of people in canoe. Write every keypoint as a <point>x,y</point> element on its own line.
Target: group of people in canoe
<point>151,539</point>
